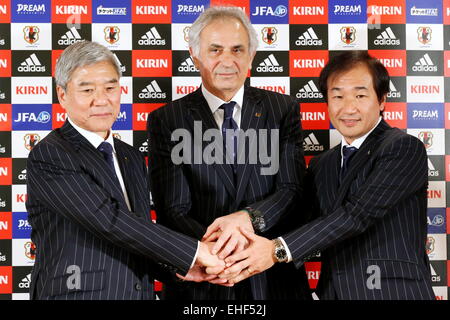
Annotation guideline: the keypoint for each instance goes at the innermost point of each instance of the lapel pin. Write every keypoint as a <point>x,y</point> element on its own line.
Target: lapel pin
<point>368,153</point>
<point>258,114</point>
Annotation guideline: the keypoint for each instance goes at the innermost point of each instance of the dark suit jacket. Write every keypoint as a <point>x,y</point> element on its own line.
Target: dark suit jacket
<point>373,223</point>
<point>189,197</point>
<point>80,222</point>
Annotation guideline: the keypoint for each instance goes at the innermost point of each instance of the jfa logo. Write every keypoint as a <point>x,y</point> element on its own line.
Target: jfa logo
<point>280,11</point>
<point>31,34</point>
<point>26,117</point>
<point>261,13</point>
<point>111,34</point>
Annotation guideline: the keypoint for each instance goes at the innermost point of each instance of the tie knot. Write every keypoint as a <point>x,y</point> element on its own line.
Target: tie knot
<point>228,109</point>
<point>348,151</point>
<point>105,148</point>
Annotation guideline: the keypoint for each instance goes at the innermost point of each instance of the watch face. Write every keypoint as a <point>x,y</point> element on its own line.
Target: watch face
<point>281,254</point>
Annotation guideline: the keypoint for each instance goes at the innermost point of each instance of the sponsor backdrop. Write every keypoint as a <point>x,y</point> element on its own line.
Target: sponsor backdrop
<point>149,39</point>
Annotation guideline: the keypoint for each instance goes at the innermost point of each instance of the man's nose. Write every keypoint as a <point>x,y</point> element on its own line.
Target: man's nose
<point>100,97</point>
<point>227,58</point>
<point>350,105</point>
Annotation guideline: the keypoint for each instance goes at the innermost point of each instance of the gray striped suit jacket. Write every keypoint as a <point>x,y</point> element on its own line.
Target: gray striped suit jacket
<point>374,224</point>
<point>189,197</point>
<point>88,244</point>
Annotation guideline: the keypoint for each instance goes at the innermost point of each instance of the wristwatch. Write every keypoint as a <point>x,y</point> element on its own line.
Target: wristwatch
<point>256,218</point>
<point>279,252</point>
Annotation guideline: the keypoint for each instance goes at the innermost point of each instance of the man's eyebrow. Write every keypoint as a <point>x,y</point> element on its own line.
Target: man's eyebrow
<point>356,88</point>
<point>213,45</point>
<point>87,83</point>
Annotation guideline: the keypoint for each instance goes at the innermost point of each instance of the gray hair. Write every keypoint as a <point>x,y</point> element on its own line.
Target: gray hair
<point>215,13</point>
<point>82,54</point>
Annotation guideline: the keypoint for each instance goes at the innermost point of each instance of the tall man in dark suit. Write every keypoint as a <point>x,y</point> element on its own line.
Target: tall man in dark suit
<point>190,195</point>
<point>370,195</point>
<point>88,196</point>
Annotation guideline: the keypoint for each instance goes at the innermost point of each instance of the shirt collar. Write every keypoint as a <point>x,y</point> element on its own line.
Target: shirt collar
<point>214,102</point>
<point>358,142</point>
<point>92,137</point>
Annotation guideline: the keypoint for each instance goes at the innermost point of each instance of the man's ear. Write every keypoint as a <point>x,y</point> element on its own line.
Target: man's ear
<point>61,93</point>
<point>251,60</point>
<point>383,103</point>
<point>194,58</point>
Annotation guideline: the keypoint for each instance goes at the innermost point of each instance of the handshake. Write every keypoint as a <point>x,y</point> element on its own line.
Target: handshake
<point>230,252</point>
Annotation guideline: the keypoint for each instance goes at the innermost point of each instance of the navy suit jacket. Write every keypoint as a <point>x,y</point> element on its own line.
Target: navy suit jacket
<point>372,225</point>
<point>189,197</point>
<point>88,244</point>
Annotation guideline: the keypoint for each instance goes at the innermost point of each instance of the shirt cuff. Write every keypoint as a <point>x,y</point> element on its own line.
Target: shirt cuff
<point>196,253</point>
<point>288,252</point>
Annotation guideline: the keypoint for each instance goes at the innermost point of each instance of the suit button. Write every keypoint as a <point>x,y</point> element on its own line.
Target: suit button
<point>138,286</point>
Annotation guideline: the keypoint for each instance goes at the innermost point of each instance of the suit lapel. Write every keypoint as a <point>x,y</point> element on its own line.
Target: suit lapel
<point>252,117</point>
<point>361,158</point>
<point>200,111</point>
<point>91,160</point>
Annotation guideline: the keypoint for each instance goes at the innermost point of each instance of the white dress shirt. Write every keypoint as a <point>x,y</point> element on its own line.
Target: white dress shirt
<point>214,104</point>
<point>96,140</point>
<point>357,144</point>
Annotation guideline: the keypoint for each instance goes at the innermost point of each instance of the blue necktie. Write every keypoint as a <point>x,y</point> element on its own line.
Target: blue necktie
<point>229,124</point>
<point>347,153</point>
<point>106,149</point>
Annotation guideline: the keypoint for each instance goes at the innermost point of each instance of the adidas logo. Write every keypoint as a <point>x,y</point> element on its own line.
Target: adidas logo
<point>70,37</point>
<point>144,146</point>
<point>393,93</point>
<point>22,175</point>
<point>432,172</point>
<point>152,38</point>
<point>387,38</point>
<point>187,66</point>
<point>152,91</point>
<point>308,38</point>
<point>310,143</point>
<point>122,67</point>
<point>434,276</point>
<point>270,64</point>
<point>25,283</point>
<point>425,64</point>
<point>309,91</point>
<point>31,64</point>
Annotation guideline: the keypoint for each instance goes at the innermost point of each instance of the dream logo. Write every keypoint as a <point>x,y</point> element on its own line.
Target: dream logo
<point>22,229</point>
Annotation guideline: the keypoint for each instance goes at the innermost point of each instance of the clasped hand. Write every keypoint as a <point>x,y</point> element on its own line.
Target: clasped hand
<point>230,252</point>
